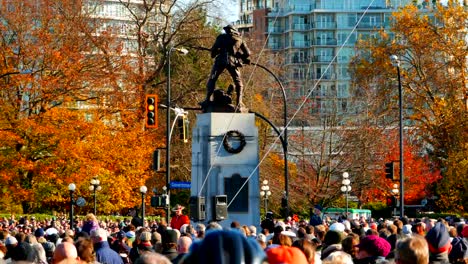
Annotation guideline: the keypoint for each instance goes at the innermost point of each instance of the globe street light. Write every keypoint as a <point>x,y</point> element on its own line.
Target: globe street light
<point>143,191</point>
<point>346,188</point>
<point>95,186</point>
<point>71,188</point>
<point>396,62</point>
<point>264,193</point>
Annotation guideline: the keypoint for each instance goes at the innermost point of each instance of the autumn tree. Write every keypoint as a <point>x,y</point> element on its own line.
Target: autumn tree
<point>431,45</point>
<point>72,98</point>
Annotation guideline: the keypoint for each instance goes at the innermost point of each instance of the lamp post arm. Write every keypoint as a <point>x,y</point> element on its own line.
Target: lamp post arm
<point>285,134</point>
<point>283,143</point>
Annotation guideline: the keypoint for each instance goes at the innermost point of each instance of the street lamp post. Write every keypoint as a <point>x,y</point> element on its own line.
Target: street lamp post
<point>71,188</point>
<point>346,188</point>
<point>95,186</point>
<point>395,194</point>
<point>143,191</point>
<point>168,122</point>
<point>264,193</point>
<point>396,62</point>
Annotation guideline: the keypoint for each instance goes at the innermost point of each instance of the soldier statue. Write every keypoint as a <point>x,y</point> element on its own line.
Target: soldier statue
<point>230,52</point>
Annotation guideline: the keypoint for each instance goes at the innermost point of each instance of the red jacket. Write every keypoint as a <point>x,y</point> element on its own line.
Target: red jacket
<point>178,220</point>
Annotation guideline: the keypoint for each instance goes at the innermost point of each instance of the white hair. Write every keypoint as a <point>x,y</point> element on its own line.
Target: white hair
<point>99,233</point>
<point>338,257</point>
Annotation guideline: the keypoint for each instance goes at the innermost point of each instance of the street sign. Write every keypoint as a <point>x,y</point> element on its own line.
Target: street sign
<point>179,185</point>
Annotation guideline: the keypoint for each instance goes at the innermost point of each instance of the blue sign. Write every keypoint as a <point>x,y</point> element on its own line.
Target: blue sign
<point>179,185</point>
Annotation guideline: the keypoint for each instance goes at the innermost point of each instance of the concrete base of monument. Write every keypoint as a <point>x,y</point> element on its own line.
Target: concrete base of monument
<point>224,168</point>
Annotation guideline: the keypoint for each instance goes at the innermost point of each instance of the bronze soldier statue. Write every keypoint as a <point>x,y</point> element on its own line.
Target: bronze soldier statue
<point>229,52</point>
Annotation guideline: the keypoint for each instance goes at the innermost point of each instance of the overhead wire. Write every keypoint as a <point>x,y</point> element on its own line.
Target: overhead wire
<point>298,109</point>
<point>232,117</point>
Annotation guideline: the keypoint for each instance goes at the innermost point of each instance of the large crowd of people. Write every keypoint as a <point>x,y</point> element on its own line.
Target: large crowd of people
<point>402,241</point>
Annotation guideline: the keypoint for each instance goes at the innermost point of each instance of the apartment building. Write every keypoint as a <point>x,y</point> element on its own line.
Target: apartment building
<point>316,39</point>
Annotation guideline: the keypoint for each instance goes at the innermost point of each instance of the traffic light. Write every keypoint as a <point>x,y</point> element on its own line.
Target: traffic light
<point>159,201</point>
<point>151,111</point>
<point>183,127</point>
<point>389,170</point>
<point>391,201</point>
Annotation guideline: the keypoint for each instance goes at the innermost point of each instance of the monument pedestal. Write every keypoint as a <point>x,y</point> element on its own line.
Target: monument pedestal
<point>225,177</point>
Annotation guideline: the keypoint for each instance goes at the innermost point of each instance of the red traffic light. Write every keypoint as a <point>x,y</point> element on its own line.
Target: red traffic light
<point>151,111</point>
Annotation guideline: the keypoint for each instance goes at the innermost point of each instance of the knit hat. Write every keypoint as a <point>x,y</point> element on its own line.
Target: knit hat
<point>375,246</point>
<point>130,235</point>
<point>39,232</point>
<point>338,227</point>
<point>11,240</point>
<point>438,238</point>
<point>285,254</point>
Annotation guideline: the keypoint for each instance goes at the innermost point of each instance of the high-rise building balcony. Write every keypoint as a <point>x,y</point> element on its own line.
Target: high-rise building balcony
<point>276,30</point>
<point>300,26</point>
<point>324,25</point>
<point>300,43</point>
<point>323,58</point>
<point>325,42</point>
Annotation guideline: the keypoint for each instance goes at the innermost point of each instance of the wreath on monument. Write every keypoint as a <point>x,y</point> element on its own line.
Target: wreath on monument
<point>227,144</point>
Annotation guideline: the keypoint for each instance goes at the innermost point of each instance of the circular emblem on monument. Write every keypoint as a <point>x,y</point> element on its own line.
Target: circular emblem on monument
<point>234,141</point>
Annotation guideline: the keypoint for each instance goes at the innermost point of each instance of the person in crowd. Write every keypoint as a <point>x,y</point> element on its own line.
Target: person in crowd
<point>91,223</point>
<point>459,252</point>
<point>183,246</point>
<point>104,254</point>
<point>285,254</point>
<point>350,245</point>
<point>39,253</point>
<point>65,253</point>
<point>119,245</point>
<point>262,240</point>
<point>412,250</point>
<point>372,249</point>
<point>169,242</point>
<point>268,223</point>
<point>307,248</point>
<point>316,218</point>
<point>420,228</point>
<point>85,250</point>
<point>145,243</point>
<point>331,243</point>
<point>338,257</point>
<point>152,258</point>
<point>438,240</point>
<point>213,248</point>
<point>200,228</point>
<point>179,218</point>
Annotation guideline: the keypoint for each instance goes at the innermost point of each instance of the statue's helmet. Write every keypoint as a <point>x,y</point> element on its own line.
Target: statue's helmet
<point>229,28</point>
